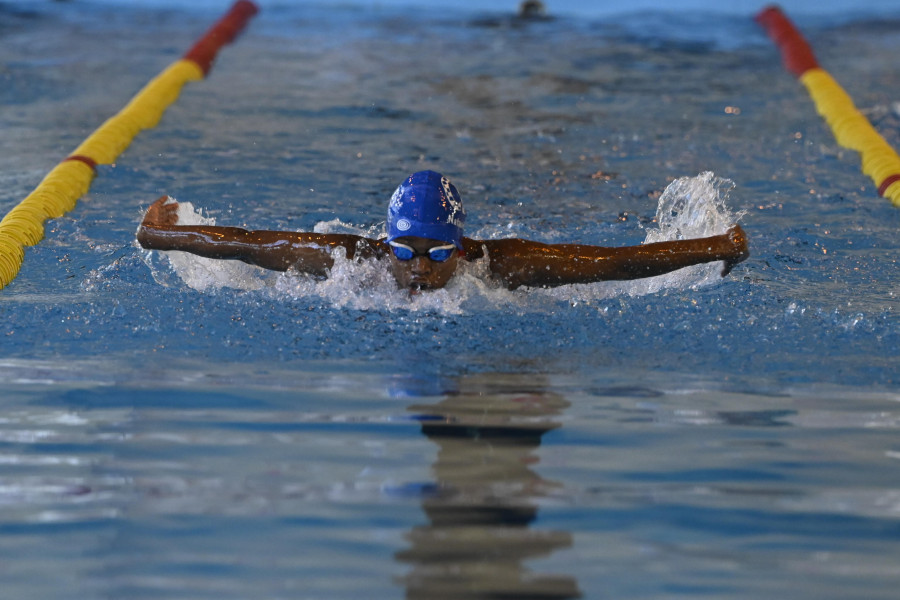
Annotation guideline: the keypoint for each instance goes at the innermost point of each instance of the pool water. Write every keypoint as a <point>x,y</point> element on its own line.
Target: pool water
<point>174,429</point>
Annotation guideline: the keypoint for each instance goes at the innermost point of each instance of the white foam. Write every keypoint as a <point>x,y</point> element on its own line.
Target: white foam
<point>690,207</point>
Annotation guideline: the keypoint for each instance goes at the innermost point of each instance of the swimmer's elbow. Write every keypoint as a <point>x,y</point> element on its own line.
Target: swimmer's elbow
<point>147,238</point>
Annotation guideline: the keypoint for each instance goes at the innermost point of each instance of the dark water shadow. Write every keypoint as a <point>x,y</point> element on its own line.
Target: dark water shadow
<point>485,496</point>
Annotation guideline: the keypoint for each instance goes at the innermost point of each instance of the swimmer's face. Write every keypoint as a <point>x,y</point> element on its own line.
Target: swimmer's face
<point>421,272</point>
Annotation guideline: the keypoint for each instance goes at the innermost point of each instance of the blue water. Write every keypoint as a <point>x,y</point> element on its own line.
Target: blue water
<point>164,435</point>
<point>841,9</point>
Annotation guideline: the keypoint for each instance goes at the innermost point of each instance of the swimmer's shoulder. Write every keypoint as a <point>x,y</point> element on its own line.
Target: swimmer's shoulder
<point>473,249</point>
<point>355,246</point>
<point>369,248</point>
<point>476,249</point>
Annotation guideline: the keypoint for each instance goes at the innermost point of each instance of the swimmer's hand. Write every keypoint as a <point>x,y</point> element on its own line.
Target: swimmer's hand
<point>738,252</point>
<point>162,213</point>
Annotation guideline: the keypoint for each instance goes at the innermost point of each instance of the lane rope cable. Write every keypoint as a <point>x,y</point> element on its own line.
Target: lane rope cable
<point>851,129</point>
<point>61,188</point>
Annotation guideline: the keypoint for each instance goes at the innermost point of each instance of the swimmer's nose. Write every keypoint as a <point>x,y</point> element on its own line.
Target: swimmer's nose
<point>421,265</point>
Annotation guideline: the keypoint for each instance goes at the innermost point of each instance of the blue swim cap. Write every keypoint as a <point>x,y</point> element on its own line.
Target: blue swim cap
<point>426,205</point>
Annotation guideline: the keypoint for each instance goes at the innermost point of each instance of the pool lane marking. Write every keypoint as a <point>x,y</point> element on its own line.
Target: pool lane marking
<point>850,128</point>
<point>61,188</point>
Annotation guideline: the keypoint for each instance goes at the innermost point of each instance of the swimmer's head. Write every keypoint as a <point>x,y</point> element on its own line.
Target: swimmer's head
<point>426,205</point>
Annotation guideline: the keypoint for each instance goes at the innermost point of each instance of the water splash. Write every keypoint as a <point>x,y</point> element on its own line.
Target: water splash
<point>690,207</point>
<point>693,207</point>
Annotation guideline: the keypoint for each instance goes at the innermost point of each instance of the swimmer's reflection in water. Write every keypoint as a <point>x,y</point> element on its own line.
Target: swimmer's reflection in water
<point>425,245</point>
<point>484,498</point>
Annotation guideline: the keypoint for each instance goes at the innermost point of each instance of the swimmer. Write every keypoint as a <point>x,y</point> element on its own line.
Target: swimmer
<point>532,10</point>
<point>425,245</point>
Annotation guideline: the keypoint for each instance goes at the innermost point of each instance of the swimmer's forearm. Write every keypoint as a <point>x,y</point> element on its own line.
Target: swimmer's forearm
<point>659,258</point>
<point>275,250</point>
<point>525,263</point>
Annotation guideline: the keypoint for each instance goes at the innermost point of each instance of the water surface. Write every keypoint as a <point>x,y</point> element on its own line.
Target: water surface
<point>702,437</point>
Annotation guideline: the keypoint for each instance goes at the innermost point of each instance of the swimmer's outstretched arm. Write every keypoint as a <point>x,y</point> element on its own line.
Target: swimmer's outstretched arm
<point>276,250</point>
<point>519,262</point>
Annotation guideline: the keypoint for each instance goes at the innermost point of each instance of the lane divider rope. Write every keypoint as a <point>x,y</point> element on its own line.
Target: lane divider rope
<point>61,188</point>
<point>851,129</point>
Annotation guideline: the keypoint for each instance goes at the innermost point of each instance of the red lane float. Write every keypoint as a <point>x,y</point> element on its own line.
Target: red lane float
<point>851,129</point>
<point>71,178</point>
<point>223,32</point>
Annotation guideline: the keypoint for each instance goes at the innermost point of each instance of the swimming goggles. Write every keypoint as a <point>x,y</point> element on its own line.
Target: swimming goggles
<point>435,253</point>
